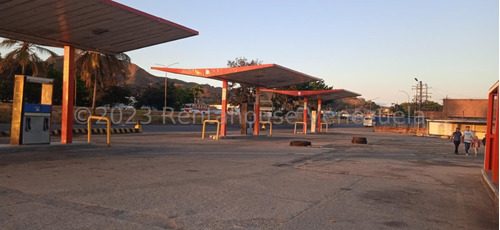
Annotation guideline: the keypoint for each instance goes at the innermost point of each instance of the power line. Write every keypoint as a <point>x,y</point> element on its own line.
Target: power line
<point>452,93</point>
<point>422,93</point>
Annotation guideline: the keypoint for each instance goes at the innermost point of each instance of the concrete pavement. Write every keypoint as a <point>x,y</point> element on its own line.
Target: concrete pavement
<point>175,180</point>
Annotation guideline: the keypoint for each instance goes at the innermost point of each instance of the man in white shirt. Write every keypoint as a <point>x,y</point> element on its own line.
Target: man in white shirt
<point>467,139</point>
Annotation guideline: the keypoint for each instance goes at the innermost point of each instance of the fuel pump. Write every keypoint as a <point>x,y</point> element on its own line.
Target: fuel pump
<point>31,117</point>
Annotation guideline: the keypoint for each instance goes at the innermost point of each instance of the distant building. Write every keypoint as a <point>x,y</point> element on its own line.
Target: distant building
<point>458,113</point>
<point>465,108</point>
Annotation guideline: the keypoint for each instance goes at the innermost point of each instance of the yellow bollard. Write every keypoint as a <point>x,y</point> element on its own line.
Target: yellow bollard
<point>108,130</point>
<point>295,128</point>
<point>211,121</point>
<point>326,126</point>
<point>270,126</point>
<point>138,126</point>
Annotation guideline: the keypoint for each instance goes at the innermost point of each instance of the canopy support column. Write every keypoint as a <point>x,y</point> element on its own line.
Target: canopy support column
<point>67,95</point>
<point>256,126</point>
<point>319,114</point>
<point>491,148</point>
<point>223,119</point>
<point>305,115</point>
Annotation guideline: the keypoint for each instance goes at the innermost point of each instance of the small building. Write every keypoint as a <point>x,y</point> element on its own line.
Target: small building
<point>459,113</point>
<point>445,127</point>
<point>465,108</point>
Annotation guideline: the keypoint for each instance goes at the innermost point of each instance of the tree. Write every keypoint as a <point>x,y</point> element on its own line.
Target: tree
<point>431,106</point>
<point>115,95</point>
<point>370,105</point>
<point>25,56</point>
<point>244,94</point>
<point>6,85</point>
<point>317,85</point>
<point>406,108</point>
<point>197,89</point>
<point>241,93</point>
<point>99,70</point>
<point>153,97</point>
<point>287,102</point>
<point>426,106</point>
<point>339,105</point>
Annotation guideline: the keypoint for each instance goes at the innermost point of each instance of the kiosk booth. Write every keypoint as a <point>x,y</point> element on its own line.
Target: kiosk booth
<point>31,117</point>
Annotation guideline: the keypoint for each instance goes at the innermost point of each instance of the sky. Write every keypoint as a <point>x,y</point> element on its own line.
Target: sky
<point>375,48</point>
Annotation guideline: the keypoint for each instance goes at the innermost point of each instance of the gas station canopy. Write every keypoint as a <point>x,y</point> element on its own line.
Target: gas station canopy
<point>96,25</point>
<point>267,75</point>
<point>99,25</point>
<point>327,94</point>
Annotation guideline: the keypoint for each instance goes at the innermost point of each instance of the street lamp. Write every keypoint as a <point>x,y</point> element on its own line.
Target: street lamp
<point>406,95</point>
<point>165,104</point>
<point>371,103</point>
<point>420,98</point>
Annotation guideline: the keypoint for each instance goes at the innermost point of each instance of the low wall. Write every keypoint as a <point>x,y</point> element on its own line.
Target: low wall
<point>447,127</point>
<point>402,130</point>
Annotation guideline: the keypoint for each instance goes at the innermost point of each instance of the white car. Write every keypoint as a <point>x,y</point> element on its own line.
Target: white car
<point>216,111</point>
<point>368,121</point>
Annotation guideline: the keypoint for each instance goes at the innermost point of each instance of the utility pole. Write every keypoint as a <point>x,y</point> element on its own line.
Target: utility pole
<point>165,103</point>
<point>419,88</point>
<point>420,103</point>
<point>419,93</point>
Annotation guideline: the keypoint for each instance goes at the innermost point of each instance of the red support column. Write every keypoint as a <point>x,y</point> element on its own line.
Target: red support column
<point>223,119</point>
<point>319,115</point>
<point>305,115</point>
<point>489,136</point>
<point>494,168</point>
<point>491,148</point>
<point>256,125</point>
<point>68,88</point>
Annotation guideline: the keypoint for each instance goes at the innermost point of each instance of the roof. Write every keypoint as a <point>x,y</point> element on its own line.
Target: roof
<point>462,121</point>
<point>494,88</point>
<point>327,94</point>
<point>267,75</point>
<point>99,25</point>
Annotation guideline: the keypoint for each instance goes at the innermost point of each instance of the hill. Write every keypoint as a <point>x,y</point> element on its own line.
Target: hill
<point>137,79</point>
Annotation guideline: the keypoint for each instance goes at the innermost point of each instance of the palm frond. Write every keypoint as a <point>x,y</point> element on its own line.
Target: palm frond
<point>43,50</point>
<point>8,43</point>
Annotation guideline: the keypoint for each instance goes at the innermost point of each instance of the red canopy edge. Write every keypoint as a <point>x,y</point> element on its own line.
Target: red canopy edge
<point>324,94</point>
<point>212,72</point>
<point>301,92</point>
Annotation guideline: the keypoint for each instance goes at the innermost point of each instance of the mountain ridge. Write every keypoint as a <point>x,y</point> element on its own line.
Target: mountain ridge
<point>137,80</point>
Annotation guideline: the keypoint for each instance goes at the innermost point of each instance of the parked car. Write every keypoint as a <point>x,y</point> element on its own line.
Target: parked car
<point>369,122</point>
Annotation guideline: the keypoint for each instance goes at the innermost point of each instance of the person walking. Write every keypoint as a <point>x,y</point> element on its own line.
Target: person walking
<point>456,137</point>
<point>467,138</point>
<point>476,143</point>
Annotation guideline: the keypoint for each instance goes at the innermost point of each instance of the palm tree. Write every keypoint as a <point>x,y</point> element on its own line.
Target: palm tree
<point>99,69</point>
<point>25,55</point>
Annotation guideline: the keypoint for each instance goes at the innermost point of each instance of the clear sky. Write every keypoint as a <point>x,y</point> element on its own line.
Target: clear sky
<point>372,47</point>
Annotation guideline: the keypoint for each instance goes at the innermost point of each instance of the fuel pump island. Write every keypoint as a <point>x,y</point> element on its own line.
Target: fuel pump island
<point>31,117</point>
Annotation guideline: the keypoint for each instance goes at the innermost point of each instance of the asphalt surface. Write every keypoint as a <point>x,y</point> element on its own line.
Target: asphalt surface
<point>175,180</point>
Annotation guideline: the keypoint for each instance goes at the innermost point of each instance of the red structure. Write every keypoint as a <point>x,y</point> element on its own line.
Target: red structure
<point>491,150</point>
<point>267,75</point>
<point>327,94</point>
